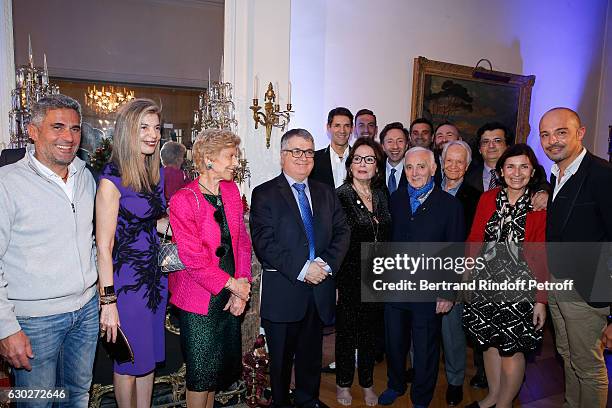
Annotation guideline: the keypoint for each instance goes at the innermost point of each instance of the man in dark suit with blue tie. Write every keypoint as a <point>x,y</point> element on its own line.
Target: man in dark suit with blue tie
<point>300,236</point>
<point>421,212</point>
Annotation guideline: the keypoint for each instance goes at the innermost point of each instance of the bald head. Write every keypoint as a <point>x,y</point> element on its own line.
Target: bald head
<point>570,114</point>
<point>561,134</point>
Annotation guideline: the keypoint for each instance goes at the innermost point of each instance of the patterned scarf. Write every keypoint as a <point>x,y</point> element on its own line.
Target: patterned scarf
<point>508,221</point>
<point>416,193</point>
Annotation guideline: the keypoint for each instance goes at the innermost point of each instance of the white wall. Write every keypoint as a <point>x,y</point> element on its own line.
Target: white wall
<point>163,42</point>
<point>359,53</point>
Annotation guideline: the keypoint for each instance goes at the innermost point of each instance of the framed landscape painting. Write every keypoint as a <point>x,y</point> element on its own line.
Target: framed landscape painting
<point>470,97</point>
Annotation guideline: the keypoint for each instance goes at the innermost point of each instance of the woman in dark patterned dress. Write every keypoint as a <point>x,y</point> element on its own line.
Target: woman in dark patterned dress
<point>367,213</point>
<point>503,323</point>
<point>207,219</point>
<point>129,201</point>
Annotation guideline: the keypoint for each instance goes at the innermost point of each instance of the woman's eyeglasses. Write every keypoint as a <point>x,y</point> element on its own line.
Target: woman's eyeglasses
<point>368,159</point>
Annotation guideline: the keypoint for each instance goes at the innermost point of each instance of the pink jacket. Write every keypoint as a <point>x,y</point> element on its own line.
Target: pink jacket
<point>198,236</point>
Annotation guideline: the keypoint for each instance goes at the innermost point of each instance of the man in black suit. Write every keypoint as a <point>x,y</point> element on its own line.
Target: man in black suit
<point>394,141</point>
<point>579,210</point>
<point>421,212</point>
<point>300,236</point>
<point>329,163</point>
<point>10,156</point>
<point>492,139</point>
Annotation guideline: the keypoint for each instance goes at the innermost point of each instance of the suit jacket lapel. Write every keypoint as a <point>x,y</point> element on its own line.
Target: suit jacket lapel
<point>576,180</point>
<point>287,194</point>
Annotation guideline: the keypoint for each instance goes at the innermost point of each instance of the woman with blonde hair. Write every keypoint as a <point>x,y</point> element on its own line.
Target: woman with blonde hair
<point>133,292</point>
<point>207,221</point>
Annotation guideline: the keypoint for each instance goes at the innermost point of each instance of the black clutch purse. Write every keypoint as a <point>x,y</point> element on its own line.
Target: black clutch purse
<point>120,350</point>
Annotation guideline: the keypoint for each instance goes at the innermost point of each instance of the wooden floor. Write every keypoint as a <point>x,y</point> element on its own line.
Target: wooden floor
<point>543,387</point>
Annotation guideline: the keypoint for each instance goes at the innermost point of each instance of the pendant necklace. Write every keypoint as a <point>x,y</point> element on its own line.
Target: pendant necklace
<point>217,196</point>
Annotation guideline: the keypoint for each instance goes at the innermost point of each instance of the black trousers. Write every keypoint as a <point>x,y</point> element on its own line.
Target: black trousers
<point>418,322</point>
<point>357,325</point>
<point>300,342</point>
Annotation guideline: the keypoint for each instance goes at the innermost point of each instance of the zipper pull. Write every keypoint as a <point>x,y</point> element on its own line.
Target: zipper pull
<point>73,210</point>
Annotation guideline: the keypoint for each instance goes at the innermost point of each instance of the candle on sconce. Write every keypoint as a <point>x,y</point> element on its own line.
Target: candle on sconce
<point>277,88</point>
<point>255,86</point>
<point>289,93</point>
<point>209,87</point>
<point>221,71</point>
<point>243,153</point>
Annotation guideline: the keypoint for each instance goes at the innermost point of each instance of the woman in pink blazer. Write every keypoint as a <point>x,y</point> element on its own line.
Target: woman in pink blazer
<point>207,222</point>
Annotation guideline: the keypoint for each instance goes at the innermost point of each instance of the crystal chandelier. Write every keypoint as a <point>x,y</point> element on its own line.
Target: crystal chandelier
<point>108,99</point>
<point>215,107</point>
<point>31,84</point>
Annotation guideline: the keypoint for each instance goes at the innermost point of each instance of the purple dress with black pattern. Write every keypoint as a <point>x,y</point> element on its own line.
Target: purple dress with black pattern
<point>142,290</point>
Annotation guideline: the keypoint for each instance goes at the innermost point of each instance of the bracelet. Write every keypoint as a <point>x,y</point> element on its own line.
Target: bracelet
<point>108,301</point>
<point>108,290</point>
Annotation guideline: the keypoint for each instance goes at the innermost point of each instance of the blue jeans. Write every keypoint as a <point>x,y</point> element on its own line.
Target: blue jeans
<point>64,348</point>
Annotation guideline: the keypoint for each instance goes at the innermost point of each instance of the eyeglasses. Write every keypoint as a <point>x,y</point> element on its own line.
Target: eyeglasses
<point>368,159</point>
<point>297,153</point>
<point>496,141</point>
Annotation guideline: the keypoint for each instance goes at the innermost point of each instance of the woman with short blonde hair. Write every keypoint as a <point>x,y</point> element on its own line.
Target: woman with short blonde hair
<point>133,292</point>
<point>207,221</point>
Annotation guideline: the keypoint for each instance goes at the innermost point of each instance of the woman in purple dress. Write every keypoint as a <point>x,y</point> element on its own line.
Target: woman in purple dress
<point>133,291</point>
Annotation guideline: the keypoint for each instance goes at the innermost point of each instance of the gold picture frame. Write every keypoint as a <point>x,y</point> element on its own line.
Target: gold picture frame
<point>470,97</point>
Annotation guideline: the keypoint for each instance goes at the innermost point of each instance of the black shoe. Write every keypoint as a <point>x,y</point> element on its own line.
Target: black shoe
<point>479,381</point>
<point>409,375</point>
<point>454,394</point>
<point>329,369</point>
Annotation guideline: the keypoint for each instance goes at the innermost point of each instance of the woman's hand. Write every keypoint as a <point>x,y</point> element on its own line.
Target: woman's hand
<point>240,288</point>
<point>539,315</point>
<point>109,321</point>
<point>235,305</point>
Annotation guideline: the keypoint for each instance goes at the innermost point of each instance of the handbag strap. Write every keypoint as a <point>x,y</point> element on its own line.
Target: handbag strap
<point>197,201</point>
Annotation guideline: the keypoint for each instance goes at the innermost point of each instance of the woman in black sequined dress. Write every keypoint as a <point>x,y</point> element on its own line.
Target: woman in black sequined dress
<point>365,203</point>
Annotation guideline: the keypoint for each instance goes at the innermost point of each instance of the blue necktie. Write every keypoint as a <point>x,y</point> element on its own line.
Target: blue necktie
<point>306,218</point>
<point>392,184</point>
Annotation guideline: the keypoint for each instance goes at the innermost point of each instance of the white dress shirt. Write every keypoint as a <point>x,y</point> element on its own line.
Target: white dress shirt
<point>338,165</point>
<point>569,172</point>
<point>67,187</point>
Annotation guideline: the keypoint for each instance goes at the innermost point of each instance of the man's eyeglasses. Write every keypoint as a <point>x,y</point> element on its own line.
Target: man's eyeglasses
<point>497,141</point>
<point>297,153</point>
<point>368,159</point>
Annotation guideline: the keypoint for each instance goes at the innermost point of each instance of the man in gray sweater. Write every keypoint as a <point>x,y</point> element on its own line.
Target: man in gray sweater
<point>48,300</point>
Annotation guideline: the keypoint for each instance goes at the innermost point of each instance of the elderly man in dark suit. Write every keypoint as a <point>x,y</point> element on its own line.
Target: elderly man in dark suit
<point>579,210</point>
<point>456,157</point>
<point>300,236</point>
<point>330,162</point>
<point>421,212</point>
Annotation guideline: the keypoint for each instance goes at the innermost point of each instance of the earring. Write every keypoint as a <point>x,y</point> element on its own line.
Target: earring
<point>209,165</point>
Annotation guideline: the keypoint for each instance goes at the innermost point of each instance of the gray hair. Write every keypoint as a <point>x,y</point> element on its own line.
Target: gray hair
<point>303,133</point>
<point>420,149</point>
<point>172,153</point>
<point>52,102</point>
<point>461,143</point>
